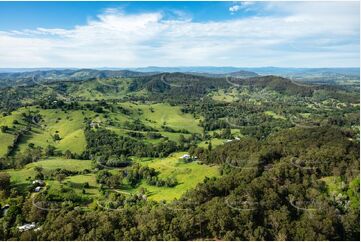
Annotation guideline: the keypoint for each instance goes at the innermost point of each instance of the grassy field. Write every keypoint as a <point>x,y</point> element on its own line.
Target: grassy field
<point>274,115</point>
<point>225,95</point>
<point>111,88</point>
<point>169,135</point>
<point>156,115</point>
<point>76,183</point>
<point>235,132</point>
<point>7,138</point>
<point>215,142</point>
<point>90,179</point>
<point>162,113</point>
<point>68,124</point>
<point>187,174</point>
<point>22,178</point>
<point>8,120</point>
<point>22,175</point>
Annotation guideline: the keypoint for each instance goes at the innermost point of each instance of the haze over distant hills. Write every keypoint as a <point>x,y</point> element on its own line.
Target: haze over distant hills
<point>316,75</point>
<point>325,76</point>
<point>208,69</point>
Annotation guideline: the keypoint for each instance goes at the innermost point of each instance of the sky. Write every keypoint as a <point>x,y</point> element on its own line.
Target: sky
<point>139,34</point>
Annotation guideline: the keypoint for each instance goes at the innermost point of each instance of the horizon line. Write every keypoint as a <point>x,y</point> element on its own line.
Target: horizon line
<point>125,68</point>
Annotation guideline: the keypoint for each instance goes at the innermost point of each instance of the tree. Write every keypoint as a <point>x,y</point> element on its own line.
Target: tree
<point>4,181</point>
<point>50,150</point>
<point>4,128</point>
<point>226,133</point>
<point>114,181</point>
<point>56,137</point>
<point>210,146</point>
<point>39,172</point>
<point>68,154</point>
<point>60,177</point>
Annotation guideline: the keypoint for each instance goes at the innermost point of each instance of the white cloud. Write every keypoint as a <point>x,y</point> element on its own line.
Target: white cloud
<point>235,8</point>
<point>241,6</point>
<point>301,35</point>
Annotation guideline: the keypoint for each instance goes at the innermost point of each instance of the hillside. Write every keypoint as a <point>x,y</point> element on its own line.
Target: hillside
<point>237,74</point>
<point>48,76</point>
<point>193,85</point>
<point>185,146</point>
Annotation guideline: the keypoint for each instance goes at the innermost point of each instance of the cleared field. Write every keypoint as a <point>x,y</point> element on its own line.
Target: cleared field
<point>215,142</point>
<point>187,174</point>
<point>169,135</point>
<point>5,140</point>
<point>68,125</point>
<point>235,132</point>
<point>76,183</point>
<point>225,95</point>
<point>74,142</point>
<point>274,115</point>
<point>161,113</point>
<point>88,178</point>
<point>8,120</point>
<point>111,88</point>
<point>22,175</point>
<point>155,115</point>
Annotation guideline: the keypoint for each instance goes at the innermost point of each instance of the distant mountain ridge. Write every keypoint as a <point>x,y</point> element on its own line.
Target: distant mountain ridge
<point>238,74</point>
<point>172,84</point>
<point>47,76</point>
<point>23,76</point>
<point>206,69</point>
<point>172,87</point>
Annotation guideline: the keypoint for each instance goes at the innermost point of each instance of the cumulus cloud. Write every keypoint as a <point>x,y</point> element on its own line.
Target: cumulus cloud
<point>295,36</point>
<point>234,8</point>
<point>239,6</point>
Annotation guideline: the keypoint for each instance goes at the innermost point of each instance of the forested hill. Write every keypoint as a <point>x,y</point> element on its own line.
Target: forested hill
<point>171,87</point>
<point>8,78</point>
<point>276,83</point>
<point>238,74</point>
<point>46,76</point>
<point>198,85</point>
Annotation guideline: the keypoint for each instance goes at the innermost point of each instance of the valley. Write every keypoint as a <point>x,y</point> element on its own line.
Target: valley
<point>180,120</point>
<point>177,144</point>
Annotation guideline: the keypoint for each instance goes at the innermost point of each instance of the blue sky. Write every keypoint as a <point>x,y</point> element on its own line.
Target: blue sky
<point>134,34</point>
<point>23,15</point>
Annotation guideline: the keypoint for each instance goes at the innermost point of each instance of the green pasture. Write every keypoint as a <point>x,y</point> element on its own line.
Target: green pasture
<point>69,125</point>
<point>19,176</point>
<point>187,174</point>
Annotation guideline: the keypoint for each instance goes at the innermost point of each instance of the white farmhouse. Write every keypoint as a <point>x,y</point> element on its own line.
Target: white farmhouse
<point>26,227</point>
<point>39,182</point>
<point>186,156</point>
